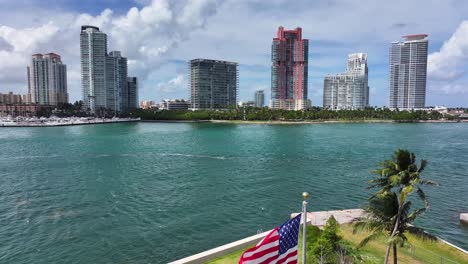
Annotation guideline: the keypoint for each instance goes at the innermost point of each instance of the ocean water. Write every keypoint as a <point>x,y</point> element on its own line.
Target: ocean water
<point>156,192</point>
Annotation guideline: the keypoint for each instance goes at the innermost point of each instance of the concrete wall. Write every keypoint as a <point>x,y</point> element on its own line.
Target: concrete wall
<point>214,253</point>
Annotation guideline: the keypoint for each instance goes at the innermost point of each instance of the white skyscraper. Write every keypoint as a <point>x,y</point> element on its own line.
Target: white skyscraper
<point>47,80</point>
<point>408,70</point>
<point>93,50</point>
<point>103,76</point>
<point>348,90</point>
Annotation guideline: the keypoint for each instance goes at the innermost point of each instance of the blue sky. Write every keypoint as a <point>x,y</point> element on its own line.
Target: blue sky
<point>160,36</point>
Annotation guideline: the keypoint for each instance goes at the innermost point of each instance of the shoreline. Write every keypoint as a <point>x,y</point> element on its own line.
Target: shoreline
<point>279,122</point>
<point>73,123</point>
<point>249,122</point>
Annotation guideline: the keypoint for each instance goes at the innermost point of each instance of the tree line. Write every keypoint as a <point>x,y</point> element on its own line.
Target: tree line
<point>266,114</point>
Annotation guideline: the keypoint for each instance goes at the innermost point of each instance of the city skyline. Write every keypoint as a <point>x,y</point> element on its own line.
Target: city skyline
<point>214,30</point>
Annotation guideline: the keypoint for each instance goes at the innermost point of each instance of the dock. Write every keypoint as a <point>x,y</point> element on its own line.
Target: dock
<point>342,216</point>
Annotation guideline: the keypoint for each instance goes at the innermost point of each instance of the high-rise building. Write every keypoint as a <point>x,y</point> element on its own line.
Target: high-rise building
<point>132,93</point>
<point>93,51</point>
<point>408,70</point>
<point>289,70</point>
<point>213,84</point>
<point>348,90</point>
<point>47,80</point>
<point>104,76</point>
<point>116,82</point>
<point>259,98</point>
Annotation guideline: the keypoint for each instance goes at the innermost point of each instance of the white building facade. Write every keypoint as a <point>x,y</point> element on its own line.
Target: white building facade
<point>104,77</point>
<point>348,90</point>
<point>408,72</point>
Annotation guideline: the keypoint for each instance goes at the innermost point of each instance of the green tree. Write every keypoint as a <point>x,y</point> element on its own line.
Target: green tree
<point>389,208</point>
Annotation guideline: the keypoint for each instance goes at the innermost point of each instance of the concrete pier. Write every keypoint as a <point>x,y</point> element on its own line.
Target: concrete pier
<point>464,218</point>
<point>342,216</point>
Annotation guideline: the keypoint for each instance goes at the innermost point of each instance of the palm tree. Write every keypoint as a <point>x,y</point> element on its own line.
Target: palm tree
<point>382,212</point>
<point>388,207</point>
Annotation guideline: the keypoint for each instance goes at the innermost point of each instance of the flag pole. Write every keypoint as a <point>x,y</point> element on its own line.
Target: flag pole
<point>305,195</point>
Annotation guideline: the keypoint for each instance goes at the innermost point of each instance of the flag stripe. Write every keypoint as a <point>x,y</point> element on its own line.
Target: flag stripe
<point>261,253</point>
<point>268,258</point>
<point>286,256</point>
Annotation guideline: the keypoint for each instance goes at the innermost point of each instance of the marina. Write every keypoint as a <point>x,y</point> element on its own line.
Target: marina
<point>57,121</point>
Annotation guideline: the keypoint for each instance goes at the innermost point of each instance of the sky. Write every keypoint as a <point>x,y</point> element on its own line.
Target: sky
<point>159,37</point>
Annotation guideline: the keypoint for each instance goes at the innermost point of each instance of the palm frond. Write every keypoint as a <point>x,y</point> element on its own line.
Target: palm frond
<point>423,197</point>
<point>411,217</point>
<point>422,166</point>
<point>369,238</point>
<point>428,182</point>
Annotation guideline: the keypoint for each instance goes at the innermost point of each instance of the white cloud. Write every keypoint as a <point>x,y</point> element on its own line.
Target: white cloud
<point>447,68</point>
<point>28,38</point>
<point>176,84</point>
<point>99,21</point>
<point>195,12</point>
<point>451,88</point>
<point>451,61</point>
<point>144,35</point>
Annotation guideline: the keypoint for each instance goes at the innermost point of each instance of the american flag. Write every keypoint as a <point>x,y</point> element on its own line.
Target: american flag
<point>278,247</point>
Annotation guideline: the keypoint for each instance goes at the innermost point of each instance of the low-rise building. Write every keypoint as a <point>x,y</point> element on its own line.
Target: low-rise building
<point>174,104</point>
<point>247,104</point>
<point>147,104</point>
<point>11,98</point>
<point>27,110</point>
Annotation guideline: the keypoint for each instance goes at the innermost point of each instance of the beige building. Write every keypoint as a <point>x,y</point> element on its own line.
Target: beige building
<point>11,98</point>
<point>47,80</point>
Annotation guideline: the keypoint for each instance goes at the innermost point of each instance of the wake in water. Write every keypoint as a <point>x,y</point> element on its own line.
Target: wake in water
<point>193,156</point>
<point>164,154</point>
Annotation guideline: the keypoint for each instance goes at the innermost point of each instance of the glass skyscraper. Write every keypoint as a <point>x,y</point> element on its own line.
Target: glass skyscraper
<point>259,98</point>
<point>408,70</point>
<point>116,82</point>
<point>289,70</point>
<point>213,84</point>
<point>132,93</point>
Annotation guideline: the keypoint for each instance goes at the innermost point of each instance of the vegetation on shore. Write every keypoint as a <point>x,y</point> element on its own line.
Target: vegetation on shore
<point>266,114</point>
<point>418,251</point>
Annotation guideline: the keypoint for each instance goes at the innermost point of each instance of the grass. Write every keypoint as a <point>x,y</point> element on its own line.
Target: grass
<point>230,258</point>
<point>419,252</point>
<point>374,251</point>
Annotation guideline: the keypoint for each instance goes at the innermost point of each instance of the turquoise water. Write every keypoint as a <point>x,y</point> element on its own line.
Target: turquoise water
<point>156,192</point>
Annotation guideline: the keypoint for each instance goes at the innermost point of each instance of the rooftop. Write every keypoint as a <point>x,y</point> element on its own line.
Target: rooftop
<point>415,37</point>
<point>213,61</point>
